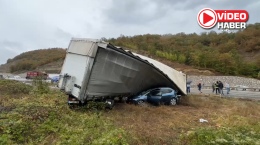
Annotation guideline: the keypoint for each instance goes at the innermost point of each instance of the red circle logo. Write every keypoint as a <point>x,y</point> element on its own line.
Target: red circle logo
<point>207,18</point>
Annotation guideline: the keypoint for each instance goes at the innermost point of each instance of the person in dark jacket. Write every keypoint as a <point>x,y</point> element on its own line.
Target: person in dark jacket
<point>221,86</point>
<point>199,87</point>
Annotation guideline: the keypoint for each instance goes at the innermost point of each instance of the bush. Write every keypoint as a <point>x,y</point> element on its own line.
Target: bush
<point>11,87</point>
<point>40,87</point>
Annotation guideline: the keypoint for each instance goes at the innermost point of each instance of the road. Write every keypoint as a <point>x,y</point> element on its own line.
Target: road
<point>233,93</point>
<point>21,77</point>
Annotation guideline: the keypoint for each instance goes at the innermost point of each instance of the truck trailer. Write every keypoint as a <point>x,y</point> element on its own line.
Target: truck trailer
<point>97,70</point>
<point>36,74</point>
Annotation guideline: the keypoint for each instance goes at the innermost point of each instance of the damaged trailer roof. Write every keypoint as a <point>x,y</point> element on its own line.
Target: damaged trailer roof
<point>115,71</point>
<point>178,78</point>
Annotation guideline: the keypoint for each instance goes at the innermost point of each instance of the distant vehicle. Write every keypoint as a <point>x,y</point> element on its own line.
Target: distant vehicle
<point>157,96</point>
<point>36,74</point>
<point>241,87</point>
<point>55,79</point>
<point>17,77</point>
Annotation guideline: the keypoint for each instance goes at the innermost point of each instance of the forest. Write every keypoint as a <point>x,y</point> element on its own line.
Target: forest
<point>236,53</point>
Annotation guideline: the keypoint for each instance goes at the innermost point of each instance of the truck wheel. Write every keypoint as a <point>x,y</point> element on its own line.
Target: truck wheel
<point>110,104</point>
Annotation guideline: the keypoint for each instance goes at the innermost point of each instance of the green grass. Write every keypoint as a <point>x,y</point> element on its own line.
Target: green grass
<point>46,119</point>
<point>9,87</point>
<point>244,135</point>
<point>37,115</point>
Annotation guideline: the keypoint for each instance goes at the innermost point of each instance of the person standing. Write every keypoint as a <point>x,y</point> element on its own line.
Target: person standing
<point>221,86</point>
<point>227,87</point>
<point>213,87</point>
<point>199,87</point>
<point>217,87</point>
<point>188,88</point>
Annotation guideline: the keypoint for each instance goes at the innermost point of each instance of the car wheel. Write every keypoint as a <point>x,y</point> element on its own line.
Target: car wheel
<point>140,102</point>
<point>173,101</point>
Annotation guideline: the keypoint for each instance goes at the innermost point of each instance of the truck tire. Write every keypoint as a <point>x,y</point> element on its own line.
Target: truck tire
<point>110,104</point>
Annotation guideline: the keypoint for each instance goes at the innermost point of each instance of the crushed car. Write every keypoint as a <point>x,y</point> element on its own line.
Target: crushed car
<point>156,96</point>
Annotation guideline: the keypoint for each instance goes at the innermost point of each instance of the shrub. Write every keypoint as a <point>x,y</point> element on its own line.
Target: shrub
<point>11,87</point>
<point>40,87</point>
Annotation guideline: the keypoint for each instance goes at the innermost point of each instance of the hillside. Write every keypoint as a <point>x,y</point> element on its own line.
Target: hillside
<point>42,59</point>
<point>195,54</point>
<point>228,53</point>
<point>51,60</point>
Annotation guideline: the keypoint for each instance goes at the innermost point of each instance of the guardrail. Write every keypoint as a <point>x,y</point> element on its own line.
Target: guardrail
<point>231,88</point>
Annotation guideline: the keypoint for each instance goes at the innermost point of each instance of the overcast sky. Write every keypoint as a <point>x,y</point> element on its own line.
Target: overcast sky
<point>35,24</point>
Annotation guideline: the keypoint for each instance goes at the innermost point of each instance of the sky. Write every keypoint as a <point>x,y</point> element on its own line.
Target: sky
<point>37,24</point>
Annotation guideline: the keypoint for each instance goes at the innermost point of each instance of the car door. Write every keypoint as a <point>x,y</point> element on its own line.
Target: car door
<point>167,94</point>
<point>154,96</point>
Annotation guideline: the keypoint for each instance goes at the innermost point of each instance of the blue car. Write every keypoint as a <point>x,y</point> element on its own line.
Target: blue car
<point>139,99</point>
<point>157,96</point>
<point>55,79</point>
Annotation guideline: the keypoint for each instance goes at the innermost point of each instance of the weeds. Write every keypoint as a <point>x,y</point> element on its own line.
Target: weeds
<point>225,135</point>
<point>43,117</point>
<point>173,125</point>
<point>96,105</point>
<point>40,87</point>
<point>46,119</point>
<point>9,87</point>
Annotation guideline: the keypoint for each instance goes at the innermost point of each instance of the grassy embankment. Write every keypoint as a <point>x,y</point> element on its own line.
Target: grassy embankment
<point>41,116</point>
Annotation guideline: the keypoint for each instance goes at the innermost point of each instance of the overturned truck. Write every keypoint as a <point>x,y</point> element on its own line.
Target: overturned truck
<point>97,70</point>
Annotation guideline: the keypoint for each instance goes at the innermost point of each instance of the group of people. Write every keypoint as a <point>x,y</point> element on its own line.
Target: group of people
<point>219,86</point>
<point>189,86</point>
